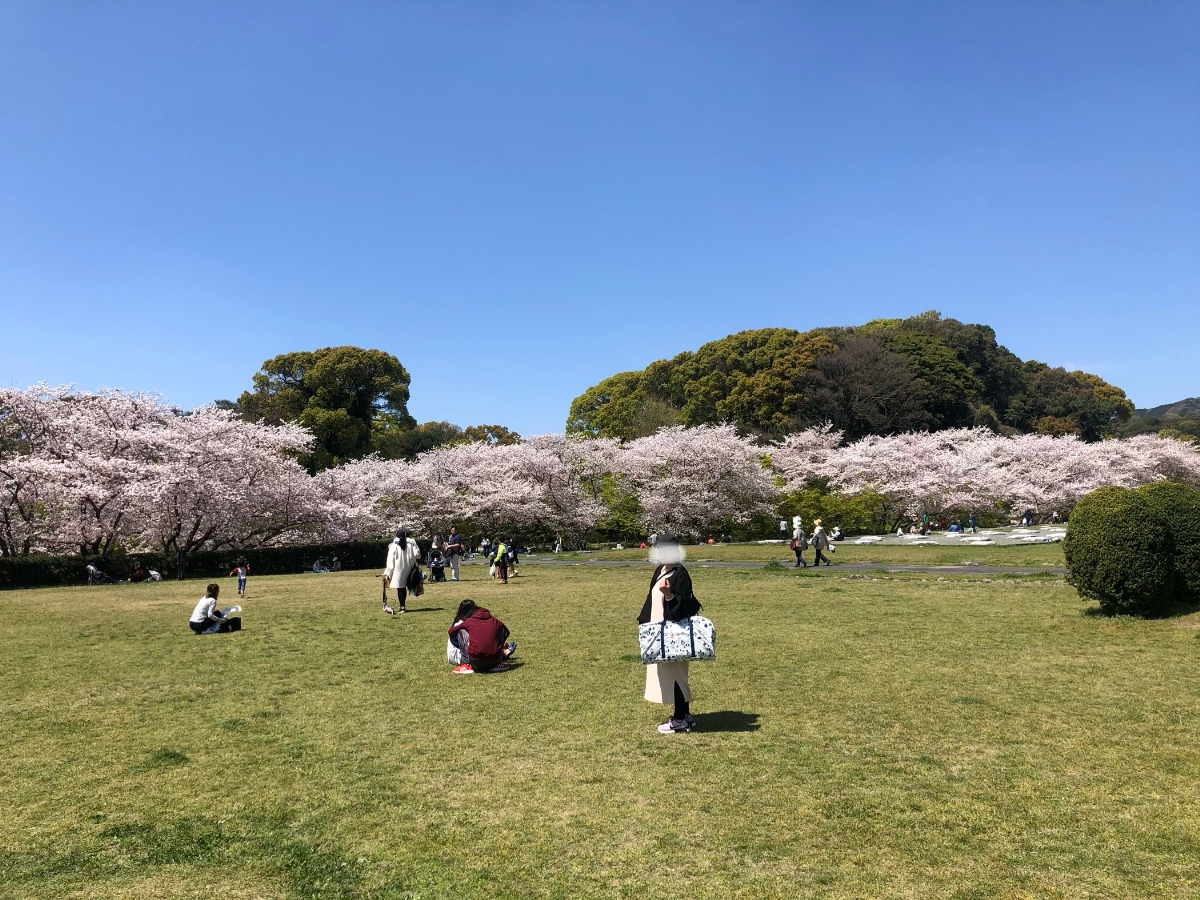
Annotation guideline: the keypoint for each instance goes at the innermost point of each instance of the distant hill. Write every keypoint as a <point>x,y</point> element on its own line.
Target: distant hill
<point>882,377</point>
<point>1180,419</point>
<point>1181,408</point>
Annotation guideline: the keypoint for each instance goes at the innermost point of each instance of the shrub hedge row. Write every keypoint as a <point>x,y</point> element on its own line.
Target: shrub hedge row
<point>47,571</point>
<point>1137,551</point>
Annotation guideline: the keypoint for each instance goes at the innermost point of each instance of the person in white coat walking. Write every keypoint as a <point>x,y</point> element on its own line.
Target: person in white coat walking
<point>403,555</point>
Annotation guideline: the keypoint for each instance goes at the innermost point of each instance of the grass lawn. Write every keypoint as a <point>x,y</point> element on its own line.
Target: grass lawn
<point>861,739</point>
<point>1021,556</point>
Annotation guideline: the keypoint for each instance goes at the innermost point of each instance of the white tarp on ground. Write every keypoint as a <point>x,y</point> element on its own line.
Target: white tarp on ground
<point>1046,534</point>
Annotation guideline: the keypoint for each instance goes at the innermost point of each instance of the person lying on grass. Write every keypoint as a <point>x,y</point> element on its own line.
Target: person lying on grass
<point>484,648</point>
<point>207,619</point>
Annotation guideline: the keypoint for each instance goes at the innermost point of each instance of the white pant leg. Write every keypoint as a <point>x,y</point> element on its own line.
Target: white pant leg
<point>454,567</point>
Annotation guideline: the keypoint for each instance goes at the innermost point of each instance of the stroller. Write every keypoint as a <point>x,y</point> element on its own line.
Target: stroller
<point>95,576</point>
<point>437,566</point>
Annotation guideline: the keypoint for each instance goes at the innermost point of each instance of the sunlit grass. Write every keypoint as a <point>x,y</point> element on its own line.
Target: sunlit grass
<point>860,738</point>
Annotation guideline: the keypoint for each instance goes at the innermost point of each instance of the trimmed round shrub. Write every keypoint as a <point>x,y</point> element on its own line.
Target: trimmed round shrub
<point>1179,505</point>
<point>1120,552</point>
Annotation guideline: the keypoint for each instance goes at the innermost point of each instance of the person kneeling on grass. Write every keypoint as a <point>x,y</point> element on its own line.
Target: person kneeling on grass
<point>477,641</point>
<point>207,619</point>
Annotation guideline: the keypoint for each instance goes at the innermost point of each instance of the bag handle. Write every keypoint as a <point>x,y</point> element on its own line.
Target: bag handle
<point>692,635</point>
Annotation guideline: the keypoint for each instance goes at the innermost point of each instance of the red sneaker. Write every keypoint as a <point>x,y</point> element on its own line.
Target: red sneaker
<point>464,669</point>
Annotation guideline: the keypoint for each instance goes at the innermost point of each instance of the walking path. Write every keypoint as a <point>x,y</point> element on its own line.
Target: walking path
<point>846,567</point>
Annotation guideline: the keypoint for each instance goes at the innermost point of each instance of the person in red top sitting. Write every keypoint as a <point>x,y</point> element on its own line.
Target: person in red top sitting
<point>486,636</point>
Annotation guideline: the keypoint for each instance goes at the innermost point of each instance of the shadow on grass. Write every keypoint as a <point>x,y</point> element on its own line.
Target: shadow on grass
<point>727,720</point>
<point>513,665</point>
<point>163,758</point>
<point>1169,612</point>
<point>425,609</point>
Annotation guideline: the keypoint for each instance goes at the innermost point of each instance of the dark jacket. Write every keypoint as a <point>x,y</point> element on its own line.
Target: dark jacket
<point>485,636</point>
<point>683,603</point>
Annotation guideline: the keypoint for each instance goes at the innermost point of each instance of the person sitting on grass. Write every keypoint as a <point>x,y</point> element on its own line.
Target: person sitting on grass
<point>207,619</point>
<point>485,648</point>
<point>319,566</point>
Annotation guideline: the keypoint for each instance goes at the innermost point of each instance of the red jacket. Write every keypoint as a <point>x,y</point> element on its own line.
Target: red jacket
<point>485,636</point>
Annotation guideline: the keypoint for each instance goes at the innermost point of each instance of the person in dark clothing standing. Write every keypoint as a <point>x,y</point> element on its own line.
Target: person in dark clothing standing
<point>180,564</point>
<point>670,598</point>
<point>454,549</point>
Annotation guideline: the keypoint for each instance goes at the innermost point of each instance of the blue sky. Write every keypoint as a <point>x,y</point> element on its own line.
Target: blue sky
<point>518,199</point>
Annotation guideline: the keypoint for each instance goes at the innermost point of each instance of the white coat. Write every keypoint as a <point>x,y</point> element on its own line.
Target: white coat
<point>400,562</point>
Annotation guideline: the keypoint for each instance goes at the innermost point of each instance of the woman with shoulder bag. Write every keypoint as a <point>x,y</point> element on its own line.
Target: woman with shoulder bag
<point>670,598</point>
<point>403,558</point>
<point>799,545</point>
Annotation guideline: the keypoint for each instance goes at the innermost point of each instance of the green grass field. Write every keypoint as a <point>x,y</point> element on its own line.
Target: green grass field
<point>1021,556</point>
<point>899,738</point>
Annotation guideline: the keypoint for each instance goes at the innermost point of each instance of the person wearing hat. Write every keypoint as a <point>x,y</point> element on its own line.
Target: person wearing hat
<point>403,554</point>
<point>670,598</point>
<point>820,542</point>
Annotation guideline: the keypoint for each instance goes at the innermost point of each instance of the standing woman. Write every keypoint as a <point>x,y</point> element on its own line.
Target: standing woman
<point>799,545</point>
<point>671,598</point>
<point>820,542</point>
<point>403,554</point>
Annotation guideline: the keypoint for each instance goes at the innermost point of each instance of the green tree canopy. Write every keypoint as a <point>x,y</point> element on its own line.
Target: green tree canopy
<point>884,376</point>
<point>490,434</point>
<point>392,441</point>
<point>1051,397</point>
<point>344,395</point>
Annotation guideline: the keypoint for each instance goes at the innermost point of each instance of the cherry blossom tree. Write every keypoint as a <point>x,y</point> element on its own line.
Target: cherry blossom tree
<point>802,456</point>
<point>220,481</point>
<point>538,483</point>
<point>91,455</point>
<point>95,472</point>
<point>974,468</point>
<point>690,479</point>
